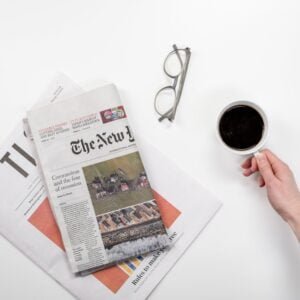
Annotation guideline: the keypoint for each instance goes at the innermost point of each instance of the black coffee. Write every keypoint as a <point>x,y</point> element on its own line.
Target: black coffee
<point>241,127</point>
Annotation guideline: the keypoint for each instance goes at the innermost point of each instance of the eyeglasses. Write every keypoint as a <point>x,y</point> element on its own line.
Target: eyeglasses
<point>167,98</point>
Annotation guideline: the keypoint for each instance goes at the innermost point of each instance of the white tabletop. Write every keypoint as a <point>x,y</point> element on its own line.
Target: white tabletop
<point>240,50</point>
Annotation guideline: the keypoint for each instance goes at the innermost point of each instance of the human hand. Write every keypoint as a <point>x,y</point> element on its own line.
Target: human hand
<point>282,189</point>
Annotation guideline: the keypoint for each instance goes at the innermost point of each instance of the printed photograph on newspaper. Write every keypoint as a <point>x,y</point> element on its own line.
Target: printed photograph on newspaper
<point>128,217</point>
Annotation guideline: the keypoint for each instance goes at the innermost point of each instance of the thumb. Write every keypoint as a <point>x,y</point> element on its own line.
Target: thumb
<point>264,167</point>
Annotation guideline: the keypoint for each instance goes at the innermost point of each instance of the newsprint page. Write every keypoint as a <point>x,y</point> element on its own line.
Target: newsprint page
<point>98,187</point>
<point>26,219</point>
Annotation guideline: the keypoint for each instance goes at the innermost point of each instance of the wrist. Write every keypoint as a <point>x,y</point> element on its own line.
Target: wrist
<point>294,220</point>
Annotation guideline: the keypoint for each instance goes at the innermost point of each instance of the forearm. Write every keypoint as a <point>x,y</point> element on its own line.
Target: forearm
<point>296,228</point>
<point>294,221</point>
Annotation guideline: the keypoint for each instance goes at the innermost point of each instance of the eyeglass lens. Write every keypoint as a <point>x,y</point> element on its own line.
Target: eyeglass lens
<point>165,100</point>
<point>174,62</point>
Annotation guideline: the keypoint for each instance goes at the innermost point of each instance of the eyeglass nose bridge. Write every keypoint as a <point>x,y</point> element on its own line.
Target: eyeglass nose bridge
<point>168,113</point>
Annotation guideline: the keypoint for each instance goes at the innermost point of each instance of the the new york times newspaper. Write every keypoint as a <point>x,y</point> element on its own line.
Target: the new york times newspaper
<point>99,190</point>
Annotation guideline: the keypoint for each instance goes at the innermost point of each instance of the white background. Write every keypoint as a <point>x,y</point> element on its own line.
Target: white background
<point>240,50</point>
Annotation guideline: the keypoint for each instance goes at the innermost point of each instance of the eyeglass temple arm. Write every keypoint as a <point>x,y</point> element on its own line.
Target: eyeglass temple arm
<point>181,84</point>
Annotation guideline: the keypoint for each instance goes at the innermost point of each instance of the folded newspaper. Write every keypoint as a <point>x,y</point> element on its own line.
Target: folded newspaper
<point>26,219</point>
<point>98,188</point>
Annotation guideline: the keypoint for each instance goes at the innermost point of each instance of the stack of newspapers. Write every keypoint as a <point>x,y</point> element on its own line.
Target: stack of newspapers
<point>90,198</point>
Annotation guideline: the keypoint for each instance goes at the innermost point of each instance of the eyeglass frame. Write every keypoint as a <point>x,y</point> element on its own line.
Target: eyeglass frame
<point>170,114</point>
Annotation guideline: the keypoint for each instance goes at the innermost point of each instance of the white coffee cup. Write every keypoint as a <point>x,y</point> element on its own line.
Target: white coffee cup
<point>255,149</point>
